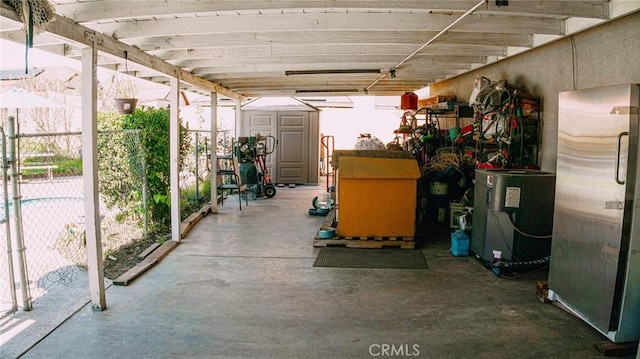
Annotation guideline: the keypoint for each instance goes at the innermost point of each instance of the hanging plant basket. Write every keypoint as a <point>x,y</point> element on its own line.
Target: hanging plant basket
<point>126,106</point>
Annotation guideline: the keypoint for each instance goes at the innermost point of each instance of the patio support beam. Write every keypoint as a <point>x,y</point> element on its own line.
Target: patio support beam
<point>214,152</point>
<point>238,121</point>
<point>68,29</point>
<point>174,157</point>
<point>90,178</point>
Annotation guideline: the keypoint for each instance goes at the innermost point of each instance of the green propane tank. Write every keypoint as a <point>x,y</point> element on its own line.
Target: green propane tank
<point>245,149</point>
<point>437,202</point>
<point>237,152</point>
<point>248,173</point>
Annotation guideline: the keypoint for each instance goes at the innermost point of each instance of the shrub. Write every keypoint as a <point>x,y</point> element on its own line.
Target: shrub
<point>154,136</point>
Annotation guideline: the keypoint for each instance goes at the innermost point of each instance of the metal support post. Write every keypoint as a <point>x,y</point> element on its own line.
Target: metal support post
<point>12,281</point>
<point>17,216</point>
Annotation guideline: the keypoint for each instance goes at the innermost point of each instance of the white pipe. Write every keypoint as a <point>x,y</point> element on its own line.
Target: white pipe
<point>443,31</point>
<point>17,216</point>
<point>12,281</point>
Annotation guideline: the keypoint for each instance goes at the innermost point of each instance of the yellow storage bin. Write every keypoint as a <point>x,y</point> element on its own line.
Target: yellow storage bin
<point>376,197</point>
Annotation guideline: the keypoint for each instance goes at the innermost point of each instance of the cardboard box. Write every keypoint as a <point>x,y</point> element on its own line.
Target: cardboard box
<point>376,197</point>
<point>434,100</point>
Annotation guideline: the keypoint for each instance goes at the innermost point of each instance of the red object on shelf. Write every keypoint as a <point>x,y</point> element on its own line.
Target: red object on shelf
<point>402,131</point>
<point>466,130</point>
<point>485,165</point>
<point>409,101</point>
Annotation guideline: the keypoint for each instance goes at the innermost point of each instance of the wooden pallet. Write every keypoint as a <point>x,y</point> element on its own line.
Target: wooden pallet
<point>616,349</point>
<point>366,242</point>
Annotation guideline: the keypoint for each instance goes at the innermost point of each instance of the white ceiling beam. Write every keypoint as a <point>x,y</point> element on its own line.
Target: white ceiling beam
<point>333,91</point>
<point>278,74</point>
<point>8,24</point>
<point>59,49</point>
<point>267,67</point>
<point>291,93</point>
<point>330,59</point>
<point>156,79</point>
<point>316,50</point>
<point>356,92</point>
<point>83,35</point>
<point>406,76</point>
<point>351,84</point>
<point>336,21</point>
<point>75,53</point>
<point>418,38</point>
<point>349,91</point>
<point>44,39</point>
<point>93,11</point>
<point>331,85</point>
<point>347,81</point>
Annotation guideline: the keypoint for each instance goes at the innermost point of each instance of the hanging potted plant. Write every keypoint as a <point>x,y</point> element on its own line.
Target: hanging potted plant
<point>126,104</point>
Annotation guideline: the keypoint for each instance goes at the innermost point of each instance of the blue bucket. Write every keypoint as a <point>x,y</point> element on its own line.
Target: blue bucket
<point>459,244</point>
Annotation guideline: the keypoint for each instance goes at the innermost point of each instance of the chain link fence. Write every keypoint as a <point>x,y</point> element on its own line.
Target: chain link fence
<point>195,173</point>
<point>52,205</point>
<point>224,146</point>
<point>51,187</point>
<point>123,188</point>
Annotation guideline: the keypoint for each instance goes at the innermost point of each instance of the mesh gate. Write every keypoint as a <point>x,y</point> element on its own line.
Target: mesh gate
<point>52,206</point>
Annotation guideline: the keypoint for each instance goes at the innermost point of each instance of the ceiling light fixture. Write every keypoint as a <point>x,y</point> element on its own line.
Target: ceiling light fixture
<point>326,72</point>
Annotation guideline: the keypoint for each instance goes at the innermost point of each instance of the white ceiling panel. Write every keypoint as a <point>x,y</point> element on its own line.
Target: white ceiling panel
<point>244,49</point>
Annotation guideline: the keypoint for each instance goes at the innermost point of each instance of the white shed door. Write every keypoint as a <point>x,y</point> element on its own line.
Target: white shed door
<point>293,147</point>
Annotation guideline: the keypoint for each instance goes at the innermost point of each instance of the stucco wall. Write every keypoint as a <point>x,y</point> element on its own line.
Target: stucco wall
<point>608,54</point>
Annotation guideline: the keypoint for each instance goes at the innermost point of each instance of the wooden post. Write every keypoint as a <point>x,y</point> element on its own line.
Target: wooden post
<point>90,178</point>
<point>239,130</point>
<point>174,158</point>
<point>214,152</point>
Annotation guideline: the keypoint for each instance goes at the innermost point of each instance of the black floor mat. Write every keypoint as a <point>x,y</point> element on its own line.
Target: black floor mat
<point>394,258</point>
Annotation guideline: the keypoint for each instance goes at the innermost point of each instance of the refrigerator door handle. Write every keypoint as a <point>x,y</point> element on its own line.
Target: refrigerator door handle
<point>622,134</point>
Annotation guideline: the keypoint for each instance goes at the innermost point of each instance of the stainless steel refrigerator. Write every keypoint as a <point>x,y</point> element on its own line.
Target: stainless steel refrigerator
<point>595,252</point>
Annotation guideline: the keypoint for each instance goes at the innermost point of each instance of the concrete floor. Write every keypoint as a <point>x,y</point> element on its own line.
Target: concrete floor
<point>243,285</point>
